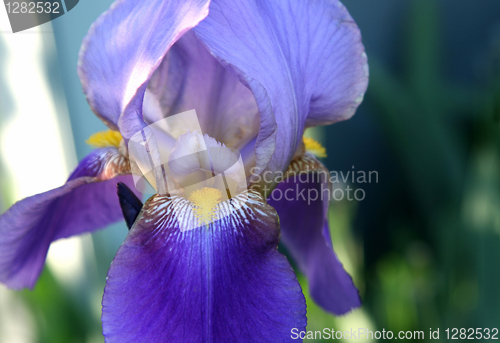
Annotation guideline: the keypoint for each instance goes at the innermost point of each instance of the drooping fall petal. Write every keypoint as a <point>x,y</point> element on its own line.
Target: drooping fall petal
<point>223,282</point>
<point>303,211</point>
<point>87,202</point>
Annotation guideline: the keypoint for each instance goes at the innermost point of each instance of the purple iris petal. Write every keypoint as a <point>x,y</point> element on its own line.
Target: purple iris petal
<point>222,283</point>
<point>190,77</point>
<point>304,231</point>
<point>303,61</point>
<point>83,204</point>
<point>123,48</point>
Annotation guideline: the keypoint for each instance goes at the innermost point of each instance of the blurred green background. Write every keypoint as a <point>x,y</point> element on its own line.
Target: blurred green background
<point>423,246</point>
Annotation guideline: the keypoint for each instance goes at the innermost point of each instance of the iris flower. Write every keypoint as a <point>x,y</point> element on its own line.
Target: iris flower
<point>258,73</point>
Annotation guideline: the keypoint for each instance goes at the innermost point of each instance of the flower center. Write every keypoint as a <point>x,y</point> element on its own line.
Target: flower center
<point>313,147</point>
<point>105,139</point>
<point>205,202</point>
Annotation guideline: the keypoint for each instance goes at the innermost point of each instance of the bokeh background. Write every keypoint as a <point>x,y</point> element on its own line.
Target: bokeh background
<point>423,246</point>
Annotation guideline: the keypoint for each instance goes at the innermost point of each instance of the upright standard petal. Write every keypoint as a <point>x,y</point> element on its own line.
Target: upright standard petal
<point>87,202</point>
<point>303,60</point>
<point>124,47</point>
<point>224,282</point>
<point>191,78</point>
<point>302,204</point>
